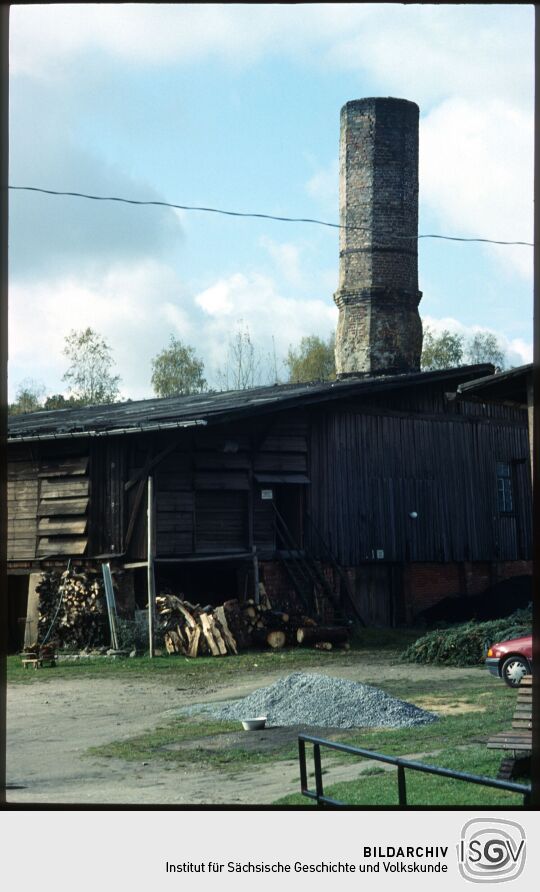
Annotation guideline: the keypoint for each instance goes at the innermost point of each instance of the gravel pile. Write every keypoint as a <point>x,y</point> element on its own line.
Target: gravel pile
<point>324,702</point>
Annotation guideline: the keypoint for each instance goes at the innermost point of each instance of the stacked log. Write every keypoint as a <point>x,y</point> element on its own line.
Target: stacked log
<point>273,628</point>
<point>193,630</point>
<point>71,610</point>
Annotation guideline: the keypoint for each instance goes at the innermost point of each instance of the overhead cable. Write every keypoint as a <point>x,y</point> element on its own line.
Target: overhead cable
<point>186,207</point>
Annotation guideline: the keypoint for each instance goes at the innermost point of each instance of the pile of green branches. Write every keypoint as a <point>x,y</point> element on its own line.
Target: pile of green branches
<point>466,644</point>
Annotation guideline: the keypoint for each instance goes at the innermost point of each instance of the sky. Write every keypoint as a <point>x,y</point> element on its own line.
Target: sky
<point>237,107</point>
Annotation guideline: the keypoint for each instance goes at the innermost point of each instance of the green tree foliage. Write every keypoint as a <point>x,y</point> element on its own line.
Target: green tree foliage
<point>484,347</point>
<point>443,351</point>
<point>312,360</point>
<point>448,350</point>
<point>59,401</point>
<point>89,376</point>
<point>177,370</point>
<point>28,397</point>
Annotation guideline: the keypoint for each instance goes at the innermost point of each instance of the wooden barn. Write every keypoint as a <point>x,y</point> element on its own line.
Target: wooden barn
<point>378,495</point>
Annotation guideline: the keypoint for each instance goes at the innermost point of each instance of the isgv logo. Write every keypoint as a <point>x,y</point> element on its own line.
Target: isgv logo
<point>491,850</point>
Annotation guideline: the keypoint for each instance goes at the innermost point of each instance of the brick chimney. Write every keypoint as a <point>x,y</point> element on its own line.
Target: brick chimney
<point>379,329</point>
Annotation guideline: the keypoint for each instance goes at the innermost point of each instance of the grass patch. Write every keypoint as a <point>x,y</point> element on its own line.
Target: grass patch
<point>195,742</point>
<point>457,742</point>
<point>422,789</point>
<point>372,644</point>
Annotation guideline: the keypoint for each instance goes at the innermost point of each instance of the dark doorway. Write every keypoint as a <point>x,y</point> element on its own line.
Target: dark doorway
<point>290,505</point>
<point>203,582</point>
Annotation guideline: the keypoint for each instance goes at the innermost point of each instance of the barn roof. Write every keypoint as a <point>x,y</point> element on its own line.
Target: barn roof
<point>510,385</point>
<point>207,408</point>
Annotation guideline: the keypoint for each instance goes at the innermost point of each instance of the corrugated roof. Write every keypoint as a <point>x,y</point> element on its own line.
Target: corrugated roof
<point>209,408</point>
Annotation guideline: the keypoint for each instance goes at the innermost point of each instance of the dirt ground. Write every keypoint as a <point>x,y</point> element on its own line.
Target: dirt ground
<point>52,724</point>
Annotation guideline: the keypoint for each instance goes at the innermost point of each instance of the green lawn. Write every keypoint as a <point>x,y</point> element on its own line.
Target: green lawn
<point>375,644</point>
<point>471,708</point>
<point>455,741</point>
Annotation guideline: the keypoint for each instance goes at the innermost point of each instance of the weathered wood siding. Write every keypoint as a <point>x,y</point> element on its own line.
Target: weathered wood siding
<point>370,470</point>
<point>22,493</point>
<point>208,496</point>
<point>48,496</point>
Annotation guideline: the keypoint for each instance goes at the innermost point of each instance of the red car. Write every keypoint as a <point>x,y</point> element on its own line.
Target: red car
<point>511,660</point>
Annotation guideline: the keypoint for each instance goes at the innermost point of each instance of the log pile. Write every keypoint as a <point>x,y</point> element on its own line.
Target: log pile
<point>192,630</point>
<point>273,628</point>
<point>72,609</point>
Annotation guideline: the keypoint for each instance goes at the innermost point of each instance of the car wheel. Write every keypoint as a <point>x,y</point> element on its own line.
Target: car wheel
<point>513,669</point>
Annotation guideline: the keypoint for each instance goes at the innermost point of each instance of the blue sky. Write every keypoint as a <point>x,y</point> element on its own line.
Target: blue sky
<point>237,106</point>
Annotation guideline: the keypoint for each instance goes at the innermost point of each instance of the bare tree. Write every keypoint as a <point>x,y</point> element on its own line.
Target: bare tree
<point>245,367</point>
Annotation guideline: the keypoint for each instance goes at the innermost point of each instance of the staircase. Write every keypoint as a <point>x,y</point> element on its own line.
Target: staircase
<point>310,584</point>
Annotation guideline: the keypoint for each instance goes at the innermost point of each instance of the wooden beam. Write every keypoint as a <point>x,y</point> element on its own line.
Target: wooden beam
<point>150,464</point>
<point>150,566</point>
<point>134,514</point>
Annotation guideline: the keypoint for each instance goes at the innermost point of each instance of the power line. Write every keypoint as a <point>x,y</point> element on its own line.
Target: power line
<point>186,207</point>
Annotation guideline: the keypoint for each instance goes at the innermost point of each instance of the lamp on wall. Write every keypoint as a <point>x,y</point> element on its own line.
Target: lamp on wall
<point>413,515</point>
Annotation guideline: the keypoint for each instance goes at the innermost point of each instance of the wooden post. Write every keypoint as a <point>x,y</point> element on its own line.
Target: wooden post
<point>257,596</point>
<point>4,117</point>
<point>150,567</point>
<point>32,611</point>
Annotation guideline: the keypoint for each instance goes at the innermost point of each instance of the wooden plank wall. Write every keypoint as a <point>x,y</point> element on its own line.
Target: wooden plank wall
<point>48,494</point>
<point>371,470</point>
<point>107,507</point>
<point>207,498</point>
<point>22,505</point>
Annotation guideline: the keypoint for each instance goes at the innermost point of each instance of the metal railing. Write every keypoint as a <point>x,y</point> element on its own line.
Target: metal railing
<point>401,764</point>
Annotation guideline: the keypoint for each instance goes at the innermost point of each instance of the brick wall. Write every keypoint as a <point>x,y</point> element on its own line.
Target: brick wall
<point>379,328</point>
<point>426,584</point>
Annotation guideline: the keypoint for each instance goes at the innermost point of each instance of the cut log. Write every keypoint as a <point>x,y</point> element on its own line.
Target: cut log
<point>194,643</point>
<point>219,615</point>
<point>207,631</point>
<point>216,633</point>
<point>276,639</point>
<point>313,634</point>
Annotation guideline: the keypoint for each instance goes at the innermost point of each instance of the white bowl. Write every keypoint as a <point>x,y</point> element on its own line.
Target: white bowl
<point>254,724</point>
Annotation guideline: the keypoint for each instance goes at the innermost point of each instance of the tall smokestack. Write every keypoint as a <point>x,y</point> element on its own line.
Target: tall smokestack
<point>379,329</point>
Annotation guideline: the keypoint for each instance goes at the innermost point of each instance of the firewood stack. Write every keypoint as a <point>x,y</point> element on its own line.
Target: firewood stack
<point>80,601</point>
<point>193,630</point>
<point>272,627</point>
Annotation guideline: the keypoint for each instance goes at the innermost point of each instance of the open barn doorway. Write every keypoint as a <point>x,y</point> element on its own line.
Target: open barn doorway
<point>206,582</point>
<point>289,501</point>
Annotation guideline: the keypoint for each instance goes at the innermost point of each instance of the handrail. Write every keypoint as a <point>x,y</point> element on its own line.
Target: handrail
<point>316,578</point>
<point>337,566</point>
<point>401,765</point>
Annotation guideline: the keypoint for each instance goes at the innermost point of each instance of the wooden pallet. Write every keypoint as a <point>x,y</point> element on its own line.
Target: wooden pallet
<point>518,739</point>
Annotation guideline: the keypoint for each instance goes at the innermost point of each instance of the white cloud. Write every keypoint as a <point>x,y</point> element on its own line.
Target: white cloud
<point>130,306</point>
<point>396,44</point>
<point>476,173</point>
<point>287,259</point>
<point>255,301</point>
<point>517,350</point>
<point>46,38</point>
<point>428,52</point>
<point>137,307</point>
